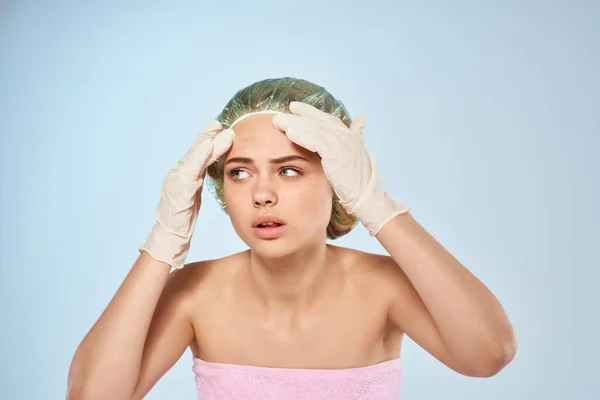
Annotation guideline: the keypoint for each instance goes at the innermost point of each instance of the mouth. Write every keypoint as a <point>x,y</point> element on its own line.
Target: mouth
<point>266,221</point>
<point>269,231</point>
<point>268,225</point>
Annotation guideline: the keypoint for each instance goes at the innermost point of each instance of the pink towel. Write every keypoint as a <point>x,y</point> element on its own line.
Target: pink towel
<point>217,381</point>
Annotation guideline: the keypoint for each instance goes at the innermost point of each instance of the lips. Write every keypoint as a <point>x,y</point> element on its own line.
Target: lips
<point>268,227</point>
<point>270,232</point>
<point>268,220</point>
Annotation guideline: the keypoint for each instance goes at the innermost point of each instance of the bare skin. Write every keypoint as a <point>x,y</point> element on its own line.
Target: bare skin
<point>295,301</point>
<point>346,326</point>
<point>212,308</point>
<point>292,302</point>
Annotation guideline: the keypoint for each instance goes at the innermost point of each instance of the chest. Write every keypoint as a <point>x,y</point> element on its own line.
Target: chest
<point>349,331</point>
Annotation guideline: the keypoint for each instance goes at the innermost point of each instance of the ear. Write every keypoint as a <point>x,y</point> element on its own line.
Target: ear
<point>358,124</point>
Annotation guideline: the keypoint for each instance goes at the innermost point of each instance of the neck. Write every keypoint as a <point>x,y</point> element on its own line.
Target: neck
<point>291,284</point>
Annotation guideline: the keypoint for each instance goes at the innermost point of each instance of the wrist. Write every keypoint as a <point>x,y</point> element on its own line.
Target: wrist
<point>376,207</point>
<point>166,247</point>
<point>374,213</point>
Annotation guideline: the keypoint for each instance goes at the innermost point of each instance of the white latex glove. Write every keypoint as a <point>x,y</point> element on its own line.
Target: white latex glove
<point>348,165</point>
<point>177,211</point>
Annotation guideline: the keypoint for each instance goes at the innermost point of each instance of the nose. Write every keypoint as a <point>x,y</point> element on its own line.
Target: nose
<point>264,194</point>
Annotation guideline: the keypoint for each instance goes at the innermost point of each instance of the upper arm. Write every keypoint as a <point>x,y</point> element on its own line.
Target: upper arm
<point>408,312</point>
<point>170,332</point>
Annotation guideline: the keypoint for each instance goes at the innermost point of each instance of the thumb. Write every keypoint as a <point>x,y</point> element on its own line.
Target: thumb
<point>221,143</point>
<point>211,128</point>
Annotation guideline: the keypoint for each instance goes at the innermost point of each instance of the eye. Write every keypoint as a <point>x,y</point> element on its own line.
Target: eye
<point>234,174</point>
<point>294,171</point>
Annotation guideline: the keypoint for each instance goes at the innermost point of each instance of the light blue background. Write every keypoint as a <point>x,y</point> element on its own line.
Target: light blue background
<point>483,118</point>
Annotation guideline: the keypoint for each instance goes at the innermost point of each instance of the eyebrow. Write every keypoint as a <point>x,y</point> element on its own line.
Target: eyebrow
<point>280,160</point>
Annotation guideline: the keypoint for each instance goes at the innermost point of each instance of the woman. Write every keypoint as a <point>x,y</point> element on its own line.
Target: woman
<point>293,316</point>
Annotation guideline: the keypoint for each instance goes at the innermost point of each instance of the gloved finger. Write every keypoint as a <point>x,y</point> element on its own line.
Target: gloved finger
<point>303,131</point>
<point>301,139</point>
<point>195,159</point>
<point>221,143</point>
<point>358,124</point>
<point>286,121</point>
<point>211,128</point>
<point>308,136</point>
<point>307,110</point>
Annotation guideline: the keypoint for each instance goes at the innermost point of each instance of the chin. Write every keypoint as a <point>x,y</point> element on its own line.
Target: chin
<point>276,248</point>
<point>270,248</point>
<point>292,240</point>
<point>280,247</point>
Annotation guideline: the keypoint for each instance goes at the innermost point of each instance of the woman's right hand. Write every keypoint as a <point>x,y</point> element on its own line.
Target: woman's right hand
<point>169,240</point>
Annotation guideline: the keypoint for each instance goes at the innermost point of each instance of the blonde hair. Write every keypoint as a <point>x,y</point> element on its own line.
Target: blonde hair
<point>276,95</point>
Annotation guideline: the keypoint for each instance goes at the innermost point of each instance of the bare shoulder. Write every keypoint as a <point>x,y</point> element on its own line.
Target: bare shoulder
<point>378,274</point>
<point>198,278</point>
<point>389,277</point>
<point>376,269</point>
<point>378,278</point>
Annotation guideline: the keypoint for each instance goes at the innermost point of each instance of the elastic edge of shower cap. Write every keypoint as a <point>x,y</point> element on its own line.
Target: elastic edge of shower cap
<point>254,113</point>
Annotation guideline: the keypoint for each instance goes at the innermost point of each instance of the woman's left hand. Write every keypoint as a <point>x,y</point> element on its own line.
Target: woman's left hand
<point>348,165</point>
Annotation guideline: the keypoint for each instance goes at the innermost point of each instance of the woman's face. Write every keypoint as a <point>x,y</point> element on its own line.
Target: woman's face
<point>293,189</point>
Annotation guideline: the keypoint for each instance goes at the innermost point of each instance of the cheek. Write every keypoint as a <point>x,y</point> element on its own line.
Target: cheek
<point>238,211</point>
<point>314,201</point>
<point>231,199</point>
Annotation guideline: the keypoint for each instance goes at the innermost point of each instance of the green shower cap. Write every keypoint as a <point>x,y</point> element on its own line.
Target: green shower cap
<point>275,95</point>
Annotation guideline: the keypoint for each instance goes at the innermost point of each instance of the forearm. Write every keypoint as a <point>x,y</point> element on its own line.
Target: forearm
<point>467,314</point>
<point>107,362</point>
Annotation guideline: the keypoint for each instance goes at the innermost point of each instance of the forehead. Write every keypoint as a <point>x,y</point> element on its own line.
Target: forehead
<point>256,137</point>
